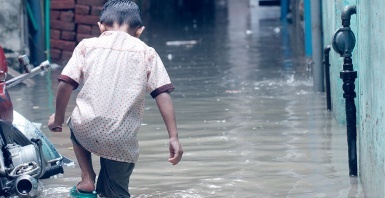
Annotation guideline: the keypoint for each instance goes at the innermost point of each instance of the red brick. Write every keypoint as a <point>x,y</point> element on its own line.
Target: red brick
<point>84,29</point>
<point>68,36</point>
<point>54,14</point>
<point>82,9</point>
<point>60,25</point>
<point>96,10</point>
<point>86,19</point>
<point>80,37</point>
<point>91,2</point>
<point>66,55</point>
<point>95,30</point>
<point>62,4</point>
<point>63,45</point>
<point>55,54</point>
<point>67,16</point>
<point>54,34</point>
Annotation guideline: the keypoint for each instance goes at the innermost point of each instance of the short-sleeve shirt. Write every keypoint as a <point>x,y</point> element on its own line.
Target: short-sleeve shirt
<point>115,70</point>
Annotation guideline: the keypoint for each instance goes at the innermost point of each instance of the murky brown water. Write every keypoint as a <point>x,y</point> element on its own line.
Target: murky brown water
<point>248,120</point>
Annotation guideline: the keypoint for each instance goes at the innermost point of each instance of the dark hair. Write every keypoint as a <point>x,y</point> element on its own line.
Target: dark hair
<point>121,12</point>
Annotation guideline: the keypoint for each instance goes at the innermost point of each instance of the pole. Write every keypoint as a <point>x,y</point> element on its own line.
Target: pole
<point>47,29</point>
<point>348,76</point>
<point>316,34</point>
<point>327,78</point>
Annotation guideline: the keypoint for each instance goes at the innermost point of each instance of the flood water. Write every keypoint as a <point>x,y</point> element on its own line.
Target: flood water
<point>248,119</point>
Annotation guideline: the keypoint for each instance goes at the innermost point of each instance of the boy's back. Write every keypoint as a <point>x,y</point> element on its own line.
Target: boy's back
<point>116,71</point>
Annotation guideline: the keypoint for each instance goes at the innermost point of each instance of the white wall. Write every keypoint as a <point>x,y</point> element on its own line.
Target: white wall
<point>11,29</point>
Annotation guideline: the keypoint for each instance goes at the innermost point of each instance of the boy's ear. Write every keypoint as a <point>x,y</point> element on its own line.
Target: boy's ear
<point>102,28</point>
<point>139,32</point>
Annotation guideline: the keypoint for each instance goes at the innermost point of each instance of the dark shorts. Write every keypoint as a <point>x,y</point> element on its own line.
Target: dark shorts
<point>114,176</point>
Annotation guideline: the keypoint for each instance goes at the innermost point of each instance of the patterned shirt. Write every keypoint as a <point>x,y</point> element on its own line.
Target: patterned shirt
<point>115,71</point>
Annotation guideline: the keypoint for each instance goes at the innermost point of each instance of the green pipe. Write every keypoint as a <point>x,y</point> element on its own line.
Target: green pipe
<point>31,17</point>
<point>48,49</point>
<point>47,29</point>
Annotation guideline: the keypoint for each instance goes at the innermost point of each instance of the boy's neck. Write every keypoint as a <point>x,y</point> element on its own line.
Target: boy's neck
<point>117,27</point>
<point>121,28</point>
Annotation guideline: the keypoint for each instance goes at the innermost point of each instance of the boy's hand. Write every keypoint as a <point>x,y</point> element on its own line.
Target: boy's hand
<point>176,151</point>
<point>54,127</point>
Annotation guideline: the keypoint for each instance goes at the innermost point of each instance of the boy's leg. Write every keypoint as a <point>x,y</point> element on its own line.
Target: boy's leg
<point>84,159</point>
<point>114,178</point>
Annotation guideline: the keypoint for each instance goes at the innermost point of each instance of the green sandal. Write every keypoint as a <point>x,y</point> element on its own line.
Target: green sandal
<point>75,193</point>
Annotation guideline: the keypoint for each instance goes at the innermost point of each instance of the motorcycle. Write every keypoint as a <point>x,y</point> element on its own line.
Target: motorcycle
<point>26,154</point>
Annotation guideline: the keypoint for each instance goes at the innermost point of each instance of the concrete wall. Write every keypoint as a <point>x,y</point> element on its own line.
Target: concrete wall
<point>368,59</point>
<point>12,26</point>
<point>371,56</point>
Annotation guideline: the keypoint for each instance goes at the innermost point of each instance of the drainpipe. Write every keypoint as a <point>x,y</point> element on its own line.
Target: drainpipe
<point>327,77</point>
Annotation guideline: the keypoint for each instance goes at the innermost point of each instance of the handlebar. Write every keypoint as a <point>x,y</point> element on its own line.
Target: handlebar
<point>44,66</point>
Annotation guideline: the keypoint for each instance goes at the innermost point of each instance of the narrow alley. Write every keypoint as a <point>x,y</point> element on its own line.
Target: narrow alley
<point>248,118</point>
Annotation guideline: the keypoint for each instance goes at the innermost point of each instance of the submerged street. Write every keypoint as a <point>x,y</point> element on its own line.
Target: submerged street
<point>248,119</point>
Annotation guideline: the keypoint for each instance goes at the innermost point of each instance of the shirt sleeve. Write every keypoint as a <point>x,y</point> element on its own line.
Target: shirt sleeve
<point>73,71</point>
<point>158,80</point>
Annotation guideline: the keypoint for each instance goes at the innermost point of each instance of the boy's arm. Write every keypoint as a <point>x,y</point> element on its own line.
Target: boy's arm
<point>63,95</point>
<point>166,109</point>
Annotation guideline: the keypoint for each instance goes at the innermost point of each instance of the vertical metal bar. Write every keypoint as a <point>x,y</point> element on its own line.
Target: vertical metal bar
<point>327,77</point>
<point>348,76</point>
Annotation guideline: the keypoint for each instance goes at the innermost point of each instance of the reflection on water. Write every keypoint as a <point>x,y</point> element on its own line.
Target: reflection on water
<point>248,120</point>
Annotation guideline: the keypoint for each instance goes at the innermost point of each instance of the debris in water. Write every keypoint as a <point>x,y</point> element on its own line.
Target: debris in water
<point>169,56</point>
<point>248,32</point>
<point>277,30</point>
<point>233,91</point>
<point>179,43</point>
<point>55,66</point>
<point>72,164</point>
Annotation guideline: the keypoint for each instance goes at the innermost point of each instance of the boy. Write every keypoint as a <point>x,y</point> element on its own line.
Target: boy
<point>116,70</point>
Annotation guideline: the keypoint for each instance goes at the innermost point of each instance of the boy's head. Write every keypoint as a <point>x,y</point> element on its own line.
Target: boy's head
<point>121,15</point>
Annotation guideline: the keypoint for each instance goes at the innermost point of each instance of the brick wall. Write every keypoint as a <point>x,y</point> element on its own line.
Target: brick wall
<point>72,21</point>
